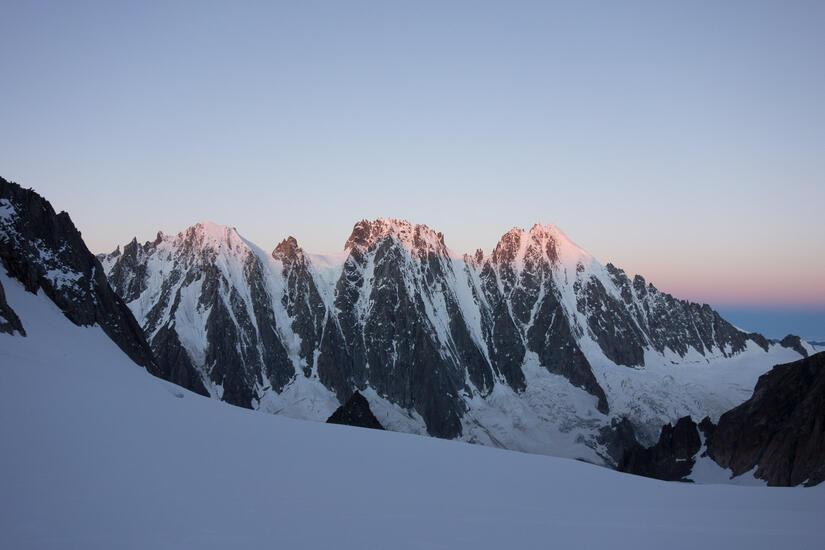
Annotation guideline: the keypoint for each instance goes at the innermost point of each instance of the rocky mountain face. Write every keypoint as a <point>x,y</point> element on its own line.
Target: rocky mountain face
<point>672,457</point>
<point>520,285</point>
<point>779,433</point>
<point>780,430</point>
<point>203,300</point>
<point>355,412</point>
<point>795,343</point>
<point>440,339</point>
<point>399,326</point>
<point>9,321</point>
<point>44,251</point>
<point>537,347</point>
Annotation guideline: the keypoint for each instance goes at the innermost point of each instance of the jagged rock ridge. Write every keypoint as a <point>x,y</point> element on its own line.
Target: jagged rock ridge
<point>778,434</point>
<point>44,251</point>
<point>525,349</point>
<point>795,343</point>
<point>398,312</point>
<point>780,430</point>
<point>672,457</point>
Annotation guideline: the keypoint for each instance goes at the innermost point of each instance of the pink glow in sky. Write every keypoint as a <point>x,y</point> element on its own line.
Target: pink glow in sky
<point>681,141</point>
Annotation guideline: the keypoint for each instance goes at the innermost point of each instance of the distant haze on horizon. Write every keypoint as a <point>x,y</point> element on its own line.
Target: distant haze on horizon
<point>685,143</point>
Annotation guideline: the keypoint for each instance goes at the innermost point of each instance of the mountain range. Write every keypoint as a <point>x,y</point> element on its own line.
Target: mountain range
<point>535,347</point>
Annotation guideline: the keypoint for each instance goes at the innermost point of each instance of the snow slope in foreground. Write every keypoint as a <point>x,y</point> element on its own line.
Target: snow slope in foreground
<point>99,454</point>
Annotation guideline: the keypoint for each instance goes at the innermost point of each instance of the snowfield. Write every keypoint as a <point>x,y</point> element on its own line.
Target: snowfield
<point>99,454</point>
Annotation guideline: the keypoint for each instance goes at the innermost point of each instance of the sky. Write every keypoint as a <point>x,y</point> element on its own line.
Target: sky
<point>681,141</point>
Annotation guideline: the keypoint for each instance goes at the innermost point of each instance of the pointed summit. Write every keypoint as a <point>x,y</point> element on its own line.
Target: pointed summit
<point>541,242</point>
<point>287,250</point>
<point>418,240</point>
<point>508,246</point>
<point>207,236</point>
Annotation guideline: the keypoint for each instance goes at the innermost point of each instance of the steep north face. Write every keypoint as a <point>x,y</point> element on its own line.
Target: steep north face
<point>45,252</point>
<point>434,335</point>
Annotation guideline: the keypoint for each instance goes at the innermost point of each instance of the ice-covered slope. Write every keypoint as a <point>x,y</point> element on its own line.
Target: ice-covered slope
<point>537,347</point>
<point>98,454</point>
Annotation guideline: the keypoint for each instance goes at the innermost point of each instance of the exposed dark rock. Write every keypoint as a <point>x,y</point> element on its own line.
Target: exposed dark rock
<point>617,438</point>
<point>239,354</point>
<point>394,319</point>
<point>242,349</point>
<point>795,343</point>
<point>302,300</point>
<point>394,347</point>
<point>647,317</point>
<point>287,250</point>
<point>527,314</point>
<point>128,276</point>
<point>610,322</point>
<point>708,428</point>
<point>277,367</point>
<point>9,321</point>
<point>671,458</point>
<point>550,337</point>
<point>355,412</point>
<point>780,430</point>
<point>170,352</point>
<point>505,345</point>
<point>44,251</point>
<point>760,340</point>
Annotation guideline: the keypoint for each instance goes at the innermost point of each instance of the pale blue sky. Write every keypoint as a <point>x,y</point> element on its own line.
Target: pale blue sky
<point>683,141</point>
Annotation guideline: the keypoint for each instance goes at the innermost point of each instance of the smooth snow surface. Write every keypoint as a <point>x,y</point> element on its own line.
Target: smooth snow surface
<point>99,454</point>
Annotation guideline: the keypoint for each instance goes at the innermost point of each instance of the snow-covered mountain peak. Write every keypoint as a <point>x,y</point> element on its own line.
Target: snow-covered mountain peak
<point>212,233</point>
<point>204,238</point>
<point>419,240</point>
<point>396,310</point>
<point>541,245</point>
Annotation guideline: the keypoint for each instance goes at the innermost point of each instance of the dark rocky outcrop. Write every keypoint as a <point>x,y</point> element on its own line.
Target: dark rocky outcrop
<point>179,367</point>
<point>44,251</point>
<point>780,430</point>
<point>708,428</point>
<point>551,337</point>
<point>647,317</point>
<point>355,412</point>
<point>389,341</point>
<point>302,300</point>
<point>242,344</point>
<point>795,343</point>
<point>128,277</point>
<point>611,322</point>
<point>671,458</point>
<point>617,438</point>
<point>505,345</point>
<point>9,321</point>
